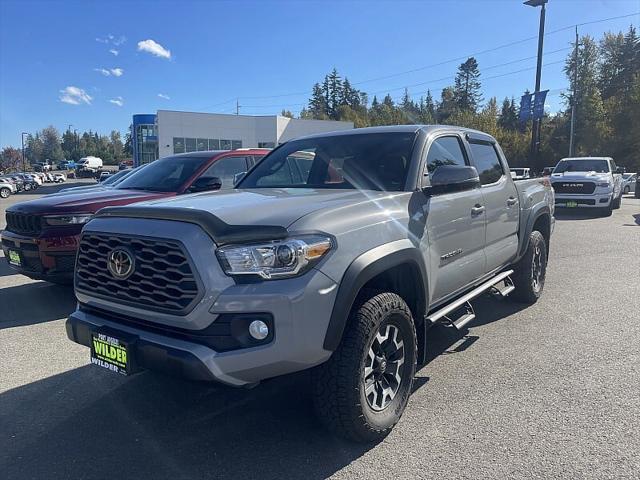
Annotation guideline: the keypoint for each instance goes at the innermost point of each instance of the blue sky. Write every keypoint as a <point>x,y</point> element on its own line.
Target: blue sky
<point>95,63</point>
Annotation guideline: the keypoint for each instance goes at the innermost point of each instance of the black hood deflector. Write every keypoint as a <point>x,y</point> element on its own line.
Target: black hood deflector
<point>220,232</point>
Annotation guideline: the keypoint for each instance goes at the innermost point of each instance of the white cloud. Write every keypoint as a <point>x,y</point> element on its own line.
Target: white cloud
<point>154,48</point>
<point>75,96</point>
<point>165,96</point>
<point>114,52</point>
<point>112,39</point>
<point>107,72</point>
<point>117,101</point>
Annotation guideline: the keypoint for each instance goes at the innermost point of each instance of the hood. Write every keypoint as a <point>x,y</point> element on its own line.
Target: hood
<point>576,176</point>
<point>268,206</point>
<point>84,202</point>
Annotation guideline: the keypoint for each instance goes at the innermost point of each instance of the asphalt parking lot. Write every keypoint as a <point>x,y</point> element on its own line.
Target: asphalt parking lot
<point>549,391</point>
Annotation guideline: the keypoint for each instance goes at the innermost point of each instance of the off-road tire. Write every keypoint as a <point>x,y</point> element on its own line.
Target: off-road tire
<point>338,384</point>
<point>5,192</point>
<point>527,290</point>
<point>617,202</point>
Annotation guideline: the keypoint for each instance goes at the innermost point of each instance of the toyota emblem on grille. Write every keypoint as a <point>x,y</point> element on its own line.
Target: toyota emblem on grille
<point>120,263</point>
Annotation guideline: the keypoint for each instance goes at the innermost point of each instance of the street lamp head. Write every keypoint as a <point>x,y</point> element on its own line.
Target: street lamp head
<point>535,3</point>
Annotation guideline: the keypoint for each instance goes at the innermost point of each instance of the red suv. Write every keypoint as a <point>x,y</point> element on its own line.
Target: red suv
<point>41,236</point>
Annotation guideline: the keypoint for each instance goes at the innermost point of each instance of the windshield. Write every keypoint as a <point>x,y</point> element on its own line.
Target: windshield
<point>599,166</point>
<point>165,175</point>
<point>377,161</point>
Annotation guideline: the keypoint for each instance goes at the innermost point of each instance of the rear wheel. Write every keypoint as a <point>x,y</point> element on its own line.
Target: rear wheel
<point>627,189</point>
<point>361,392</point>
<point>530,272</point>
<point>27,187</point>
<point>5,192</point>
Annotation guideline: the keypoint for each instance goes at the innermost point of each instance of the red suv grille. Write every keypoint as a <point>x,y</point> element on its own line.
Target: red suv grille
<point>22,223</point>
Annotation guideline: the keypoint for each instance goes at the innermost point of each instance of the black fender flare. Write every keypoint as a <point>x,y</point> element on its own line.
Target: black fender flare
<point>535,213</point>
<point>360,271</point>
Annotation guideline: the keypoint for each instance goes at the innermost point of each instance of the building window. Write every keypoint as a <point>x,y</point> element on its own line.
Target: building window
<point>178,145</point>
<point>190,144</point>
<point>225,144</point>
<point>203,144</point>
<point>236,144</point>
<point>214,144</point>
<point>266,145</point>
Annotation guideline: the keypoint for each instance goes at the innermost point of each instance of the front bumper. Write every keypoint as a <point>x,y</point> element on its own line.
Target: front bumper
<point>583,201</point>
<point>300,309</point>
<point>42,258</point>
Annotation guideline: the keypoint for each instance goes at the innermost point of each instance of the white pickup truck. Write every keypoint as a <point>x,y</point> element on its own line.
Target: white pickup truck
<point>588,182</point>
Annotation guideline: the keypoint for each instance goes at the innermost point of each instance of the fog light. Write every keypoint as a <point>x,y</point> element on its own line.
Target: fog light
<point>258,330</point>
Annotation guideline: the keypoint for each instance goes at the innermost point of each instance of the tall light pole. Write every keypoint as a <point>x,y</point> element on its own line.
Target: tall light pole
<point>24,168</point>
<point>573,97</point>
<point>535,130</point>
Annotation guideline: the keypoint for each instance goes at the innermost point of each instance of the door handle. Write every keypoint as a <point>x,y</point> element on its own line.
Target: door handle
<point>511,201</point>
<point>477,210</point>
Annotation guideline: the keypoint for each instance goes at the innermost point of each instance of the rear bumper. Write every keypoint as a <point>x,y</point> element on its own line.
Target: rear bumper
<point>583,201</point>
<point>43,258</point>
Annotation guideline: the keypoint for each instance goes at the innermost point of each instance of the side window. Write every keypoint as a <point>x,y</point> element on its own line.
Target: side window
<point>445,151</point>
<point>225,169</point>
<point>487,162</point>
<point>294,170</point>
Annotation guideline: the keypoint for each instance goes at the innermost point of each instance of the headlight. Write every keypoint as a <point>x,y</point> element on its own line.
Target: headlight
<point>604,184</point>
<point>57,220</point>
<point>278,259</point>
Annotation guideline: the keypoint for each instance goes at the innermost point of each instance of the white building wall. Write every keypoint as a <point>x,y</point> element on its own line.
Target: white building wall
<point>290,128</point>
<point>251,130</point>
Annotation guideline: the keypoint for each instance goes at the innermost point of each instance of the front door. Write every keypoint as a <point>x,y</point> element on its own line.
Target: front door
<point>455,226</point>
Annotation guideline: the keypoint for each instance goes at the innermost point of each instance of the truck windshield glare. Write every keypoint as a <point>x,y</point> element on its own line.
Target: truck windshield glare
<point>365,162</point>
<point>164,175</point>
<point>599,166</point>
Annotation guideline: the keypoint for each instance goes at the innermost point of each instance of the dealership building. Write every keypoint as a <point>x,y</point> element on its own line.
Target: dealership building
<point>169,132</point>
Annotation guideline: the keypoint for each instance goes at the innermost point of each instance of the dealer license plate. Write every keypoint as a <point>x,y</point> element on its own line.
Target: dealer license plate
<point>572,204</point>
<point>14,258</point>
<point>110,353</point>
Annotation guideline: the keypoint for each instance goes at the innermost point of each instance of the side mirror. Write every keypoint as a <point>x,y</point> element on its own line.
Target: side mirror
<point>620,170</point>
<point>237,177</point>
<point>205,184</point>
<point>452,178</point>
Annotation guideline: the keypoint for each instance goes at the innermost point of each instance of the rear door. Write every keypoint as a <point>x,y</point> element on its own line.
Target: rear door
<point>455,225</point>
<point>500,199</point>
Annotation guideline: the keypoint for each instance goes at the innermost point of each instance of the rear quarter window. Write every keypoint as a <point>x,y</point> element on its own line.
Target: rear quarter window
<point>487,162</point>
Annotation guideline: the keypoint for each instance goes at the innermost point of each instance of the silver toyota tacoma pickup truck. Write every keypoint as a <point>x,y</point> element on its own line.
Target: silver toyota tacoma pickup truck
<point>335,253</point>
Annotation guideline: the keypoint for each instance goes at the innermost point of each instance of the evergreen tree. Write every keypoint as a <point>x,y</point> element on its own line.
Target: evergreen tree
<point>466,91</point>
<point>51,144</point>
<point>508,118</point>
<point>447,105</point>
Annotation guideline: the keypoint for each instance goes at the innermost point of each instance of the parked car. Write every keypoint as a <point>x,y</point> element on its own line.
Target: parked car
<point>28,182</point>
<point>629,182</point>
<point>50,177</point>
<point>588,182</point>
<point>6,188</point>
<point>20,185</point>
<point>125,164</point>
<point>336,253</point>
<point>636,192</point>
<point>59,177</point>
<point>103,176</point>
<point>36,178</point>
<point>11,181</point>
<point>520,173</point>
<point>44,233</point>
<point>547,171</point>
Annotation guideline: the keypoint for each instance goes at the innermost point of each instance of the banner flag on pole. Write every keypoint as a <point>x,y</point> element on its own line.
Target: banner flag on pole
<point>538,104</point>
<point>525,108</point>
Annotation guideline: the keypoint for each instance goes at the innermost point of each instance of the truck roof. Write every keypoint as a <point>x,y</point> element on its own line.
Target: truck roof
<point>396,129</point>
<point>587,158</point>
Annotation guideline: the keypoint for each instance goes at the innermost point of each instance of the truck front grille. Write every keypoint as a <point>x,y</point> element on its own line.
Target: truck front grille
<point>24,224</point>
<point>574,187</point>
<point>162,276</point>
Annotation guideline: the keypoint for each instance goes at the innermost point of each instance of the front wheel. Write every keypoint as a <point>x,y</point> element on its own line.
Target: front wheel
<point>530,272</point>
<point>361,392</point>
<point>5,192</point>
<point>27,187</point>
<point>617,202</point>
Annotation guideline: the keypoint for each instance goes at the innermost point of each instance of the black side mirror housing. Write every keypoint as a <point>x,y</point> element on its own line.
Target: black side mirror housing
<point>452,178</point>
<point>205,184</point>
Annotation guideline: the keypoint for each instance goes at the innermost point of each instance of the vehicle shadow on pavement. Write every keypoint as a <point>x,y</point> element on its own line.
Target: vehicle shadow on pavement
<point>89,423</point>
<point>576,214</point>
<point>5,269</point>
<point>35,302</point>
